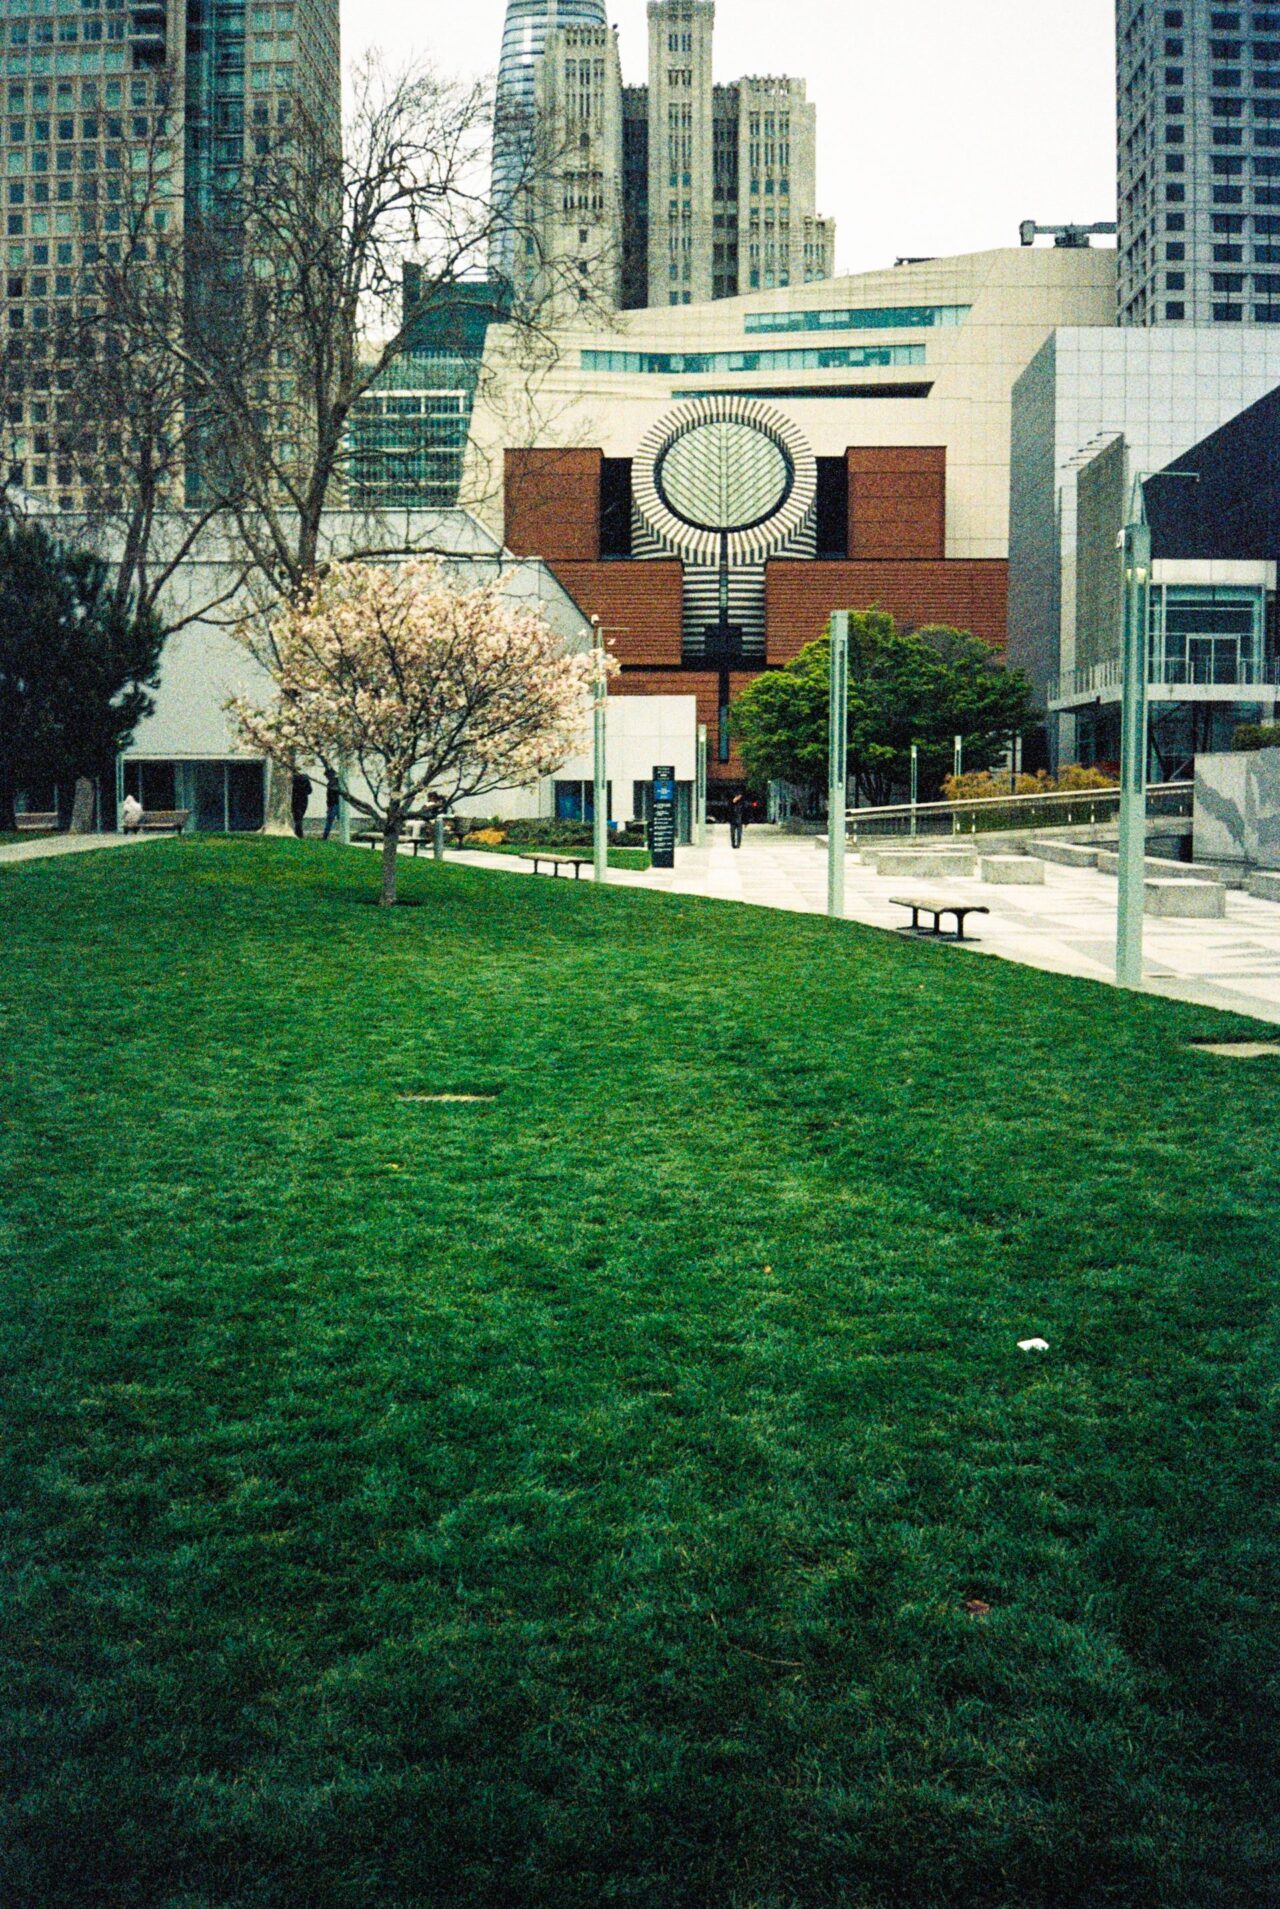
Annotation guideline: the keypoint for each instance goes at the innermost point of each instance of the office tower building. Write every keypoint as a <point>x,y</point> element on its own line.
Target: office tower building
<point>99,98</point>
<point>731,173</point>
<point>516,136</point>
<point>667,194</point>
<point>408,433</point>
<point>1198,139</point>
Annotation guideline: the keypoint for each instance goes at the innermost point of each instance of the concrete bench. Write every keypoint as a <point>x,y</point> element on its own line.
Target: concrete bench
<point>1265,884</point>
<point>1018,869</point>
<point>938,906</point>
<point>45,821</point>
<point>1068,854</point>
<point>925,862</point>
<point>1160,869</point>
<point>1182,900</point>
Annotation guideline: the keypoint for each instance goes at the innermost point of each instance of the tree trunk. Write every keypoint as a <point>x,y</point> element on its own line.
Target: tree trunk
<point>278,818</point>
<point>390,852</point>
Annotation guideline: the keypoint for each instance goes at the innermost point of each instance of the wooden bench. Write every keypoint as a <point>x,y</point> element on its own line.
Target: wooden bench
<point>938,906</point>
<point>558,861</point>
<point>161,822</point>
<point>44,820</point>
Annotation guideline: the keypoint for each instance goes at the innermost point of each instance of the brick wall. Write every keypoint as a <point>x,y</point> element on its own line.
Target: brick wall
<point>552,504</point>
<point>897,501</point>
<point>970,594</point>
<point>639,604</point>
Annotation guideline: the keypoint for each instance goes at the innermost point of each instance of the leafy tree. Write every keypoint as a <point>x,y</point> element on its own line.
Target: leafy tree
<point>76,664</point>
<point>923,686</point>
<point>431,692</point>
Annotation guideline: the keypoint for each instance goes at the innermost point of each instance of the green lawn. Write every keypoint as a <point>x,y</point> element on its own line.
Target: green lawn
<point>572,1498</point>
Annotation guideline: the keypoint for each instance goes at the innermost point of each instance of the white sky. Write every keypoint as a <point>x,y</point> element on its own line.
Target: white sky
<point>940,125</point>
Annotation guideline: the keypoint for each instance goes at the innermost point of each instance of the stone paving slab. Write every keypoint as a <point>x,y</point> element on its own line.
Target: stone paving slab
<point>1066,926</point>
<point>42,846</point>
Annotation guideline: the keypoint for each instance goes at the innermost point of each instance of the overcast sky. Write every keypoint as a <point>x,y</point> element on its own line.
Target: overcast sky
<point>940,126</point>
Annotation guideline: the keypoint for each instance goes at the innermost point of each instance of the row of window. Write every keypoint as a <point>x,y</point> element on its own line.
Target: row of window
<point>1176,310</point>
<point>872,318</point>
<point>837,357</point>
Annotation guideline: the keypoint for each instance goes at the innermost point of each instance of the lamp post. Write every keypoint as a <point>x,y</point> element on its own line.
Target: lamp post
<point>957,757</point>
<point>1135,544</point>
<point>701,788</point>
<point>600,817</point>
<point>915,782</point>
<point>838,760</point>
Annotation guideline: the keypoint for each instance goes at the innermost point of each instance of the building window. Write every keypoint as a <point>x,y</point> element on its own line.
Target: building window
<point>1175,309</point>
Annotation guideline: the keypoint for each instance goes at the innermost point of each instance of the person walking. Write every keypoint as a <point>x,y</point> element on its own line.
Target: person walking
<point>737,820</point>
<point>299,796</point>
<point>332,801</point>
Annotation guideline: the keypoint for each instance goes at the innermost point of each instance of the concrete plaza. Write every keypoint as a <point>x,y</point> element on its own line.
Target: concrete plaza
<point>1067,926</point>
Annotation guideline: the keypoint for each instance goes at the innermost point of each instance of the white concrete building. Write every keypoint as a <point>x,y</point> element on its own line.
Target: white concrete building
<point>1116,404</point>
<point>187,754</point>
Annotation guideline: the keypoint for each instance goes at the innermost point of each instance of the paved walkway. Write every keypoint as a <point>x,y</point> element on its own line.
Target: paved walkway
<point>1067,927</point>
<point>42,845</point>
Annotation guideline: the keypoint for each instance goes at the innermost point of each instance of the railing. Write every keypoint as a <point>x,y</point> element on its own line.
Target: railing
<point>1187,672</point>
<point>988,815</point>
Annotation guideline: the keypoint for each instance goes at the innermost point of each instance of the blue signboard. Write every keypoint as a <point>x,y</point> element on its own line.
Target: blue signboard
<point>662,818</point>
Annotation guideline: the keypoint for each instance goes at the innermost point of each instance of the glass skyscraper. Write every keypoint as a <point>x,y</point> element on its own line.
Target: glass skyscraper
<point>98,94</point>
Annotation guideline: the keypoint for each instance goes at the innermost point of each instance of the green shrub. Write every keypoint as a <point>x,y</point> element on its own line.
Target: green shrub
<point>1256,736</point>
<point>548,832</point>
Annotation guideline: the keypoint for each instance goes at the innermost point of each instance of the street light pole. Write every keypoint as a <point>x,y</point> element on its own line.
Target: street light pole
<point>838,754</point>
<point>915,782</point>
<point>701,787</point>
<point>1135,543</point>
<point>600,829</point>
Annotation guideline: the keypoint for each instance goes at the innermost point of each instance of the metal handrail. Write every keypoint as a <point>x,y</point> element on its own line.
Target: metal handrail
<point>984,814</point>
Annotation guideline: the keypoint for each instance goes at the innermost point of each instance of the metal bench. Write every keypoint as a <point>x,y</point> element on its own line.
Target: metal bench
<point>558,861</point>
<point>43,820</point>
<point>938,906</point>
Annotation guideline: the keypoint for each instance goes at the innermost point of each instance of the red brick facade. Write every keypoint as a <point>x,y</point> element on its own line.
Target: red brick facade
<point>552,504</point>
<point>639,604</point>
<point>897,501</point>
<point>970,593</point>
<point>897,562</point>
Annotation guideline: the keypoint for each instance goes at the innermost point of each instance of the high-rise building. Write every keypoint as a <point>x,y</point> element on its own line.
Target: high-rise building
<point>666,194</point>
<point>99,99</point>
<point>525,33</point>
<point>408,433</point>
<point>731,173</point>
<point>1198,138</point>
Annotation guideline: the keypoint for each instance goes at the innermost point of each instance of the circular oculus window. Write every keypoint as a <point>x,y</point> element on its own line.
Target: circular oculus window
<point>724,476</point>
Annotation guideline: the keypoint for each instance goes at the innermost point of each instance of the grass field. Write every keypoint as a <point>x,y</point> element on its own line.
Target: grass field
<point>573,1497</point>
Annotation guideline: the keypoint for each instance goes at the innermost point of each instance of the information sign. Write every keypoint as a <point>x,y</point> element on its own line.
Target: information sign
<point>662,818</point>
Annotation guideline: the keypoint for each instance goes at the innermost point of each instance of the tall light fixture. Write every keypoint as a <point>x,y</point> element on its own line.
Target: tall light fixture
<point>1135,545</point>
<point>600,815</point>
<point>838,770</point>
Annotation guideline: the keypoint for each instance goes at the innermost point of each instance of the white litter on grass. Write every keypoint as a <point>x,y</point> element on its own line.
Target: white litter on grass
<point>1033,1345</point>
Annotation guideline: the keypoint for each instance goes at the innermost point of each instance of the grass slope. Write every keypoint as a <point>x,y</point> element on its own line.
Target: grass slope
<point>572,1499</point>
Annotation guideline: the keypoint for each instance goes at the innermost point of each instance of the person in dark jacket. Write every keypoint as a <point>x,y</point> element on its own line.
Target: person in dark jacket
<point>737,820</point>
<point>332,801</point>
<point>299,796</point>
